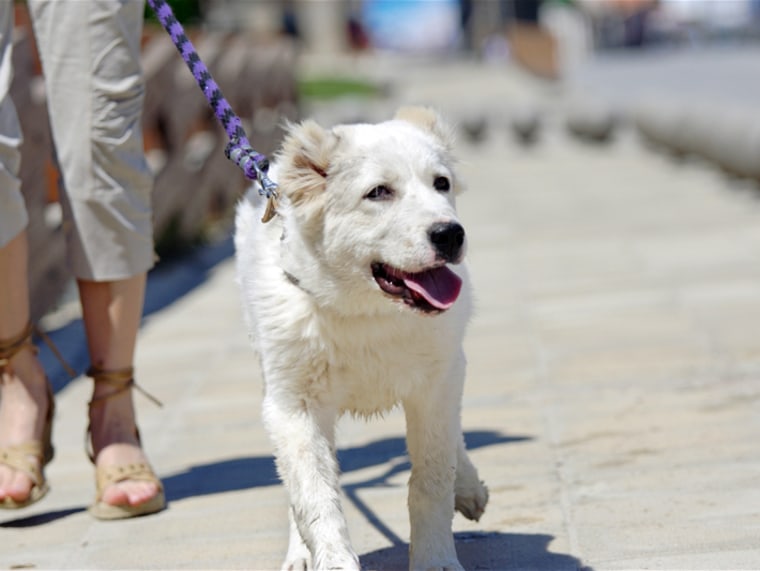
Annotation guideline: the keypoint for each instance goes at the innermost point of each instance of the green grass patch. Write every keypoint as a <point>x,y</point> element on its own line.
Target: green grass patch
<point>334,87</point>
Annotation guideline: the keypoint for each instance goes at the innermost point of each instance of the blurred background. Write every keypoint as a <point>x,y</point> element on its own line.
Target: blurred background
<point>683,74</point>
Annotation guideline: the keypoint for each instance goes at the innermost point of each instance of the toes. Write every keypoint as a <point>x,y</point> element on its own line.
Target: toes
<point>15,485</point>
<point>141,493</point>
<point>20,494</point>
<point>115,495</point>
<point>131,493</point>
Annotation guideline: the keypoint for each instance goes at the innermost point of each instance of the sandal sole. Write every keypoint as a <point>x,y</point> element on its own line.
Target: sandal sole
<point>104,511</point>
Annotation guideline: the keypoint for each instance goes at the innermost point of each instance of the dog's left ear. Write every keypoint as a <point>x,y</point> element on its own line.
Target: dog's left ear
<point>305,159</point>
<point>428,120</point>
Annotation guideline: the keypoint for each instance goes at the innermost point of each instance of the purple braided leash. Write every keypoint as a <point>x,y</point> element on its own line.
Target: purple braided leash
<point>238,150</point>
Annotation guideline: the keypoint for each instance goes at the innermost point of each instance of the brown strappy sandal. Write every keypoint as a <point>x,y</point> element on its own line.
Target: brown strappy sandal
<point>17,457</point>
<point>121,380</point>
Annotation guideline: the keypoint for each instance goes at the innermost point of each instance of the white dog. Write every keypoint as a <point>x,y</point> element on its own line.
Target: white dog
<point>352,307</point>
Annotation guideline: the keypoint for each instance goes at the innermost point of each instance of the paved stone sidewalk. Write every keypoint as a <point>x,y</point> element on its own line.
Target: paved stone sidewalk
<point>611,403</point>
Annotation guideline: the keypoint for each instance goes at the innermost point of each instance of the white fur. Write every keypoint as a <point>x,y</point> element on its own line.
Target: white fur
<point>331,341</point>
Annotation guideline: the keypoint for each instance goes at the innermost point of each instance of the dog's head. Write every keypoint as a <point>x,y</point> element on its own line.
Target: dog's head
<point>370,213</point>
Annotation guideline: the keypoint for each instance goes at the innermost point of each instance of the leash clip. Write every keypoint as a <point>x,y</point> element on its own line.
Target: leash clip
<point>268,189</point>
<point>255,167</point>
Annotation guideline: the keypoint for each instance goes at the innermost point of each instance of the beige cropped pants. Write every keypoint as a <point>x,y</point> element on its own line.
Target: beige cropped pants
<point>90,52</point>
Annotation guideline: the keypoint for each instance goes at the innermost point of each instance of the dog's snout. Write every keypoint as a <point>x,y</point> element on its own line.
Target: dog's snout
<point>447,239</point>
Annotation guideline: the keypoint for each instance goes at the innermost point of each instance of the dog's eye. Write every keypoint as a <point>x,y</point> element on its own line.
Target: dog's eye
<point>380,192</point>
<point>441,184</point>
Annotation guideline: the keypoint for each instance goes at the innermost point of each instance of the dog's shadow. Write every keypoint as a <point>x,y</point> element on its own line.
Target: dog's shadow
<point>476,550</point>
<point>392,453</point>
<point>487,551</point>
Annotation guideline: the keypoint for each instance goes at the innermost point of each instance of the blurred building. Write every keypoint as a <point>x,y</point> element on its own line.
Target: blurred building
<point>544,35</point>
<point>321,25</point>
<point>635,23</point>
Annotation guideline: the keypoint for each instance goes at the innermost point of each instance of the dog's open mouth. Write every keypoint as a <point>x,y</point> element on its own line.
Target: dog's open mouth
<point>431,291</point>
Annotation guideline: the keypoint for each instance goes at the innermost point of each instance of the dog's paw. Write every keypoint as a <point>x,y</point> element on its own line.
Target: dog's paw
<point>471,501</point>
<point>338,561</point>
<point>297,564</point>
<point>298,557</point>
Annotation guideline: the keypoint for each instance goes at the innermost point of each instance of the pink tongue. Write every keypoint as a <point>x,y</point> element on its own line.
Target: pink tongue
<point>440,287</point>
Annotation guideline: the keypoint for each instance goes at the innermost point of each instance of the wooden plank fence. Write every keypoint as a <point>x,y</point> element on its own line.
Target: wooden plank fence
<point>195,184</point>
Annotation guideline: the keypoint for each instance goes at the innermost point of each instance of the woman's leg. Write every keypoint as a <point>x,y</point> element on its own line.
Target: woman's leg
<point>112,312</point>
<point>23,391</point>
<point>90,54</point>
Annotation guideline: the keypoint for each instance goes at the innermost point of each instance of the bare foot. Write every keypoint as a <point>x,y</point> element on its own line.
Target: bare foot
<point>115,443</point>
<point>23,408</point>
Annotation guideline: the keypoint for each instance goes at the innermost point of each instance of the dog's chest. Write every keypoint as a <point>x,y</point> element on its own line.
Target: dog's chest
<point>370,366</point>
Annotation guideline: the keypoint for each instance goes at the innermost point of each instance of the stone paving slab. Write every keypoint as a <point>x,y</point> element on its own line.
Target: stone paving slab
<point>611,403</point>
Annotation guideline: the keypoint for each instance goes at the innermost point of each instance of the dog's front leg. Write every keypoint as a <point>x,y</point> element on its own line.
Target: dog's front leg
<point>303,433</point>
<point>471,494</point>
<point>433,430</point>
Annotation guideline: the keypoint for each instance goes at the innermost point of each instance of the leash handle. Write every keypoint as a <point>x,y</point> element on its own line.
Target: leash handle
<point>238,150</point>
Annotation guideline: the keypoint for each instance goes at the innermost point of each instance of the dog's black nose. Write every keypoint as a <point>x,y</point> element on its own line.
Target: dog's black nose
<point>447,239</point>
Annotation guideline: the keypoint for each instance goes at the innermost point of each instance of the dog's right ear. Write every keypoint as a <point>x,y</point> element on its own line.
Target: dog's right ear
<point>304,160</point>
<point>428,120</point>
